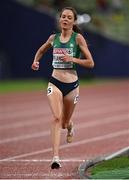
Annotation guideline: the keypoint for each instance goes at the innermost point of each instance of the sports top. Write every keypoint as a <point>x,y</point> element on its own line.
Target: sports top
<point>60,49</point>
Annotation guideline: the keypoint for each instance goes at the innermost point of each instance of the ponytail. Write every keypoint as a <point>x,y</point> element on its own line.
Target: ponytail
<point>76,29</point>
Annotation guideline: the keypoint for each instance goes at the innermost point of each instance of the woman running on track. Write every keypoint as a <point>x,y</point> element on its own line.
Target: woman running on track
<point>63,87</point>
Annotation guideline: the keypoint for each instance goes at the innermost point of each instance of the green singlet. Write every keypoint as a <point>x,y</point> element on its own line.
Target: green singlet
<point>60,49</point>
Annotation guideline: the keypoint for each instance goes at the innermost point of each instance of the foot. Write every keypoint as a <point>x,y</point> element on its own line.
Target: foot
<point>55,164</point>
<point>70,133</point>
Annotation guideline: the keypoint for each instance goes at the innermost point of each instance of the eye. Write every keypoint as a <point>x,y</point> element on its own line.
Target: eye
<point>63,16</point>
<point>69,17</point>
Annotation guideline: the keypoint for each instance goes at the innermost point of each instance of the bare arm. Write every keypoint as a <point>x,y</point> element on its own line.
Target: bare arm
<point>40,52</point>
<point>88,61</point>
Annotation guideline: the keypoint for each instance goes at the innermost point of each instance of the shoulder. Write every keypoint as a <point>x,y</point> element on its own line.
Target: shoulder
<point>51,37</point>
<point>80,39</point>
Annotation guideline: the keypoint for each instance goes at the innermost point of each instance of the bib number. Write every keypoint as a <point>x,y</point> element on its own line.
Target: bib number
<point>49,90</point>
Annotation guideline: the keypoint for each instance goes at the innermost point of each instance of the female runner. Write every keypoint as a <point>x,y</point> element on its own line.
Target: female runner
<point>63,87</point>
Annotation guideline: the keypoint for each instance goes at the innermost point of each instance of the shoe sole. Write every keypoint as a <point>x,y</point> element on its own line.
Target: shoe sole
<point>55,165</point>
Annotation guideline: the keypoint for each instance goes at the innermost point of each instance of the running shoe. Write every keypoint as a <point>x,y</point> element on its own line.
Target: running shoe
<point>70,133</point>
<point>55,164</point>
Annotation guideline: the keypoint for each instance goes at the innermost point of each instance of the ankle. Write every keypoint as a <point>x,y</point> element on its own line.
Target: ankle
<point>70,125</point>
<point>56,157</point>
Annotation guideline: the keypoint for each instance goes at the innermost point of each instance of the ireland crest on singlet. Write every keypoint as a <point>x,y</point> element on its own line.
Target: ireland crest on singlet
<point>60,52</point>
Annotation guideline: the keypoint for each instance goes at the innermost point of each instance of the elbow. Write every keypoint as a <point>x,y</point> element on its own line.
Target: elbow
<point>91,64</point>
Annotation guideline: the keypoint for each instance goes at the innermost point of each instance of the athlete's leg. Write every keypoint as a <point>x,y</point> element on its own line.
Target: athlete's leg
<point>69,103</point>
<point>56,103</point>
<point>68,107</point>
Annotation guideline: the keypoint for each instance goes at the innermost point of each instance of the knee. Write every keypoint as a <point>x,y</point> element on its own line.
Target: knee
<point>57,119</point>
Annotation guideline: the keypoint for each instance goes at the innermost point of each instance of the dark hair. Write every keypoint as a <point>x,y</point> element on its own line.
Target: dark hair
<point>75,26</point>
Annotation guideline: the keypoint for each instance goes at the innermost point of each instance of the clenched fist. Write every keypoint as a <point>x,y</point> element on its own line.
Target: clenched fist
<point>35,66</point>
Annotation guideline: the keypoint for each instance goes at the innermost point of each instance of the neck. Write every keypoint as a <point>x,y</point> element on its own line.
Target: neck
<point>66,33</point>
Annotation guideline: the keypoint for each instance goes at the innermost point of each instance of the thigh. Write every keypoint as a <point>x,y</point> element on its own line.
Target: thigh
<point>55,100</point>
<point>69,103</point>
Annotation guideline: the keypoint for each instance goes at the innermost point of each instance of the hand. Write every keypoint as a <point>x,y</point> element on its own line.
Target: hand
<point>35,66</point>
<point>67,58</point>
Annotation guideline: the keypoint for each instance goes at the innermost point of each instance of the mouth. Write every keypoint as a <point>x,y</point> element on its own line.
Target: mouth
<point>64,23</point>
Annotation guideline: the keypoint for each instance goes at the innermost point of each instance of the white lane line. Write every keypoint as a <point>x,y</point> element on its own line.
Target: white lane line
<point>82,142</point>
<point>43,160</point>
<point>44,117</point>
<point>118,153</point>
<point>37,120</point>
<point>100,110</point>
<point>21,106</point>
<point>25,137</point>
<point>25,113</point>
<point>106,120</point>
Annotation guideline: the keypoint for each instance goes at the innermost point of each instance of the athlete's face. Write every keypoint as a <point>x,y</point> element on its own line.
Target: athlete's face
<point>67,19</point>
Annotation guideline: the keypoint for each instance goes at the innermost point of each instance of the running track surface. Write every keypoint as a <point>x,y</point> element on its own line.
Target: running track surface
<point>101,121</point>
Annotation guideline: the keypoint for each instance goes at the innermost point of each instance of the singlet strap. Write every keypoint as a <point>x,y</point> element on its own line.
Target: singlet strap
<point>56,38</point>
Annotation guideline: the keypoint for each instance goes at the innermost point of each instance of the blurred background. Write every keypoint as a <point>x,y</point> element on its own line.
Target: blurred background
<point>27,24</point>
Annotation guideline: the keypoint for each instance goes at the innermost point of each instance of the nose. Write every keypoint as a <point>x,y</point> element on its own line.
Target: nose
<point>66,20</point>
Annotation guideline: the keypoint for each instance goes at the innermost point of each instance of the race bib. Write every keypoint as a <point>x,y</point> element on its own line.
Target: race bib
<point>60,52</point>
<point>49,90</point>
